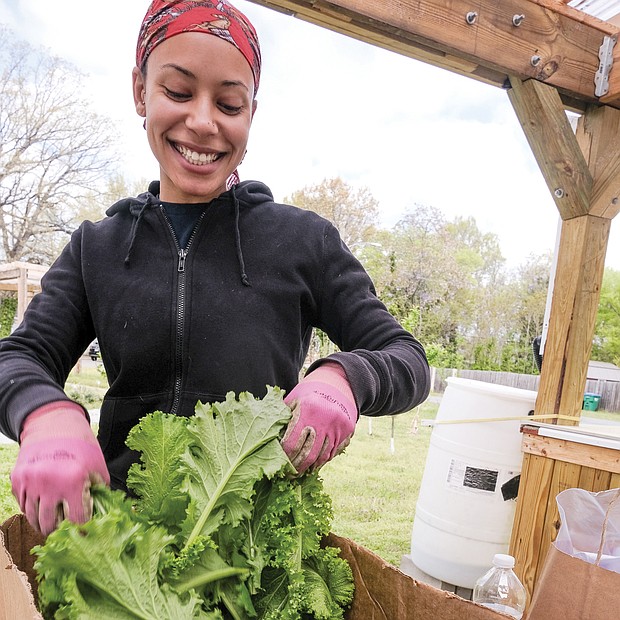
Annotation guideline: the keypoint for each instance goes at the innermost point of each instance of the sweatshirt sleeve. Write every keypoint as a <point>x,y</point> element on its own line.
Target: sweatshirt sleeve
<point>384,363</point>
<point>35,360</point>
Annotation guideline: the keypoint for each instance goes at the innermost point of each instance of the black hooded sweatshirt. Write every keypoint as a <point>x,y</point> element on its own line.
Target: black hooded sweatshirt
<point>233,311</point>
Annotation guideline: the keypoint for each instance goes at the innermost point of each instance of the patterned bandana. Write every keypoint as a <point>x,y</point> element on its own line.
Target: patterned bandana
<point>165,18</point>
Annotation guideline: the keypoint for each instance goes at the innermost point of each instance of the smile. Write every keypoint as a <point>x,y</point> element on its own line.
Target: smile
<point>198,159</point>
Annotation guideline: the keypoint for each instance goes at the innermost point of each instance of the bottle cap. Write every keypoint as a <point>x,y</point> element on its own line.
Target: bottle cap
<point>502,560</point>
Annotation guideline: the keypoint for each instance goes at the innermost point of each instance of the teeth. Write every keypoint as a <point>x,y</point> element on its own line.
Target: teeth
<point>193,157</point>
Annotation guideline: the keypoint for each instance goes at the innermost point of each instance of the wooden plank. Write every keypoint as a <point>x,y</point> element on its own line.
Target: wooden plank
<point>564,40</point>
<point>14,286</point>
<point>10,274</point>
<point>614,482</point>
<point>565,476</point>
<point>597,134</point>
<point>552,140</point>
<point>528,526</point>
<point>601,482</point>
<point>576,292</point>
<point>396,43</point>
<point>585,455</point>
<point>586,477</point>
<point>594,480</point>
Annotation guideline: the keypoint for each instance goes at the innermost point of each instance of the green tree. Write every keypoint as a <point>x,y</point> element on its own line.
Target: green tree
<point>606,343</point>
<point>509,316</point>
<point>442,270</point>
<point>531,286</point>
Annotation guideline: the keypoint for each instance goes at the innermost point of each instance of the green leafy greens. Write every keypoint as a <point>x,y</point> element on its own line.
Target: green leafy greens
<point>219,528</point>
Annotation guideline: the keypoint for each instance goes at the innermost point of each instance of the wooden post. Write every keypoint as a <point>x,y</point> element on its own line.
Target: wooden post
<point>576,292</point>
<point>22,293</point>
<point>583,173</point>
<point>582,170</point>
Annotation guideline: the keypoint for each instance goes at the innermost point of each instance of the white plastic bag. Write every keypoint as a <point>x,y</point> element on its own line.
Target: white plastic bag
<point>590,526</point>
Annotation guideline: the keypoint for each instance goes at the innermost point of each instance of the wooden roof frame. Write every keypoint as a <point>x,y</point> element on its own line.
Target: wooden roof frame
<point>24,279</point>
<point>486,40</point>
<point>548,56</point>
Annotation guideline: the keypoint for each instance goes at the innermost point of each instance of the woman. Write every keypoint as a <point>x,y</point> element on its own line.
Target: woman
<point>200,286</point>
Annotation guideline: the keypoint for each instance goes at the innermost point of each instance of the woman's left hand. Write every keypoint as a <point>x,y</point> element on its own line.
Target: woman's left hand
<point>324,417</point>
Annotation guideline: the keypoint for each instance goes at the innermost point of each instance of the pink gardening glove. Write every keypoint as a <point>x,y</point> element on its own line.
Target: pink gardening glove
<point>324,417</point>
<point>58,460</point>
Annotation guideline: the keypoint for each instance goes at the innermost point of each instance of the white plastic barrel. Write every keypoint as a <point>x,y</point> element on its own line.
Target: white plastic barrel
<point>466,505</point>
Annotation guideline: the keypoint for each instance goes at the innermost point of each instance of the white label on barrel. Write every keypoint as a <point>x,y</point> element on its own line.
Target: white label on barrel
<point>467,477</point>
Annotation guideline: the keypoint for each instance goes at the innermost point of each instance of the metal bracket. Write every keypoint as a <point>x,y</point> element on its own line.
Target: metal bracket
<point>606,61</point>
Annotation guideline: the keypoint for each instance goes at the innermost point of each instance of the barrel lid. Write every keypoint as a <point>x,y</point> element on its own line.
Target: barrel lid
<point>491,388</point>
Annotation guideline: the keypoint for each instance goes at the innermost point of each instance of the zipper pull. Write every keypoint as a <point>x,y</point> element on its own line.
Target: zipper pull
<point>182,255</point>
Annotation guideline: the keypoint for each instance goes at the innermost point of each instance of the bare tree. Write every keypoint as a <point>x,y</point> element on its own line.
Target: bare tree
<point>116,186</point>
<point>352,212</point>
<point>54,150</point>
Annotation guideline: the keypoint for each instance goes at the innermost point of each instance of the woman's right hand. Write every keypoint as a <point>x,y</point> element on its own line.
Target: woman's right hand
<point>58,461</point>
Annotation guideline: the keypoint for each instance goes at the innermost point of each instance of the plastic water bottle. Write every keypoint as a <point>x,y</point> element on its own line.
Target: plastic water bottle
<point>500,589</point>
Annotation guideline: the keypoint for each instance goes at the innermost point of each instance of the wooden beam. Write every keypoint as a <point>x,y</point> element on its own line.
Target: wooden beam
<point>14,286</point>
<point>605,459</point>
<point>597,133</point>
<point>552,140</point>
<point>554,43</point>
<point>576,292</point>
<point>583,173</point>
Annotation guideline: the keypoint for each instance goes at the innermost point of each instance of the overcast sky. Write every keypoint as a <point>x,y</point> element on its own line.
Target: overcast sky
<point>332,106</point>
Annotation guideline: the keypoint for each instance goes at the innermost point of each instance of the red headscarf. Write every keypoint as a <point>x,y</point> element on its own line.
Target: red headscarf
<point>165,18</point>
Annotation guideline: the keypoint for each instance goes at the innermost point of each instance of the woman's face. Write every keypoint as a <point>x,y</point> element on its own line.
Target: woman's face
<point>198,101</point>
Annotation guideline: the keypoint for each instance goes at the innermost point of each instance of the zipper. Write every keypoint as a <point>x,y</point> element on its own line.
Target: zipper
<point>180,310</point>
<point>182,257</point>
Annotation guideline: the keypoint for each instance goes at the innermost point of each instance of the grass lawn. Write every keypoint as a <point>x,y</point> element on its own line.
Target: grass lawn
<point>374,490</point>
<point>8,505</point>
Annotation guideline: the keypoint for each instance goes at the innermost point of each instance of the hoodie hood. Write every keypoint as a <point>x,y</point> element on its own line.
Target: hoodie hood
<point>249,192</point>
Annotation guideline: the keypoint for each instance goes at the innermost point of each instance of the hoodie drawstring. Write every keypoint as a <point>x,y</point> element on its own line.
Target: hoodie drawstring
<point>134,230</point>
<point>151,199</point>
<point>244,277</point>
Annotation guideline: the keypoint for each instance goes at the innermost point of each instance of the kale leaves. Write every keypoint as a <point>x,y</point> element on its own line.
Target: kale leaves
<point>220,528</point>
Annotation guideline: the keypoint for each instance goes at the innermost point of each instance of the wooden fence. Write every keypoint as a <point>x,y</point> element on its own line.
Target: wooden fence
<point>608,390</point>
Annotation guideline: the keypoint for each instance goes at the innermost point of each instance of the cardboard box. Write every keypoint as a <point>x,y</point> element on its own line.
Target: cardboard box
<point>382,592</point>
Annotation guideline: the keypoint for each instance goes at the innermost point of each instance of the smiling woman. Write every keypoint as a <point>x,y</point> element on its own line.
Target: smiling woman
<point>197,96</point>
<point>200,286</point>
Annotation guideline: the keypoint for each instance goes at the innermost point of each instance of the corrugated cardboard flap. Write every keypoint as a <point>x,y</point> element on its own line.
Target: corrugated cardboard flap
<point>382,592</point>
<point>16,596</point>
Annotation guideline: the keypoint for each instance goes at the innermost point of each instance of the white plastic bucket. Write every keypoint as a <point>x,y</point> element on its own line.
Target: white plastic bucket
<point>466,505</point>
